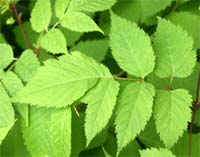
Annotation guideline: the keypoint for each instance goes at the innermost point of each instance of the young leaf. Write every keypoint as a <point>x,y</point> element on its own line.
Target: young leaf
<point>13,85</point>
<point>60,83</point>
<point>131,47</point>
<point>60,7</point>
<point>174,58</point>
<point>134,110</point>
<point>27,65</point>
<point>6,110</point>
<point>49,132</point>
<point>101,102</point>
<point>96,49</point>
<point>184,19</point>
<point>172,114</point>
<point>91,5</point>
<point>6,55</point>
<point>153,152</point>
<point>54,42</point>
<point>41,15</point>
<point>84,24</point>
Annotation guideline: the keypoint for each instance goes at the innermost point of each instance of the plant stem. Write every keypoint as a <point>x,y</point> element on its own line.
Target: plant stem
<point>127,79</point>
<point>19,22</point>
<point>196,105</point>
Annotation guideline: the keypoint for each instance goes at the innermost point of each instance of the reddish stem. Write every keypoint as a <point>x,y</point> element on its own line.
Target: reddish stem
<point>18,19</point>
<point>196,105</point>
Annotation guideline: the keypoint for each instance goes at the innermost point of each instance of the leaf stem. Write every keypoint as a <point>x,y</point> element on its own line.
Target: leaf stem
<point>19,22</point>
<point>196,105</point>
<point>127,79</point>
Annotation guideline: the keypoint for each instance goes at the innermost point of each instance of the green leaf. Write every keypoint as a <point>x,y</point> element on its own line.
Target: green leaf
<point>27,65</point>
<point>6,55</point>
<point>91,5</point>
<point>140,10</point>
<point>84,24</point>
<point>175,58</point>
<point>4,131</point>
<point>6,110</point>
<point>190,82</point>
<point>49,132</point>
<point>131,47</point>
<point>96,49</point>
<point>131,114</point>
<point>184,19</point>
<point>41,15</point>
<point>181,148</point>
<point>67,79</point>
<point>172,113</point>
<point>101,102</point>
<point>13,144</point>
<point>54,42</point>
<point>153,152</point>
<point>60,7</point>
<point>13,85</point>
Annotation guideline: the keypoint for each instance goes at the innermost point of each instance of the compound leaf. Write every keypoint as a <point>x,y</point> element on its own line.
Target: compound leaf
<point>60,82</point>
<point>133,111</point>
<point>174,58</point>
<point>172,113</point>
<point>131,47</point>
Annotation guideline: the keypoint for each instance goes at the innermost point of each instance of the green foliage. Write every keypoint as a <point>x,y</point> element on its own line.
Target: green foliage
<point>90,5</point>
<point>84,24</point>
<point>53,135</point>
<point>127,43</point>
<point>99,109</point>
<point>185,19</point>
<point>130,117</point>
<point>172,114</point>
<point>169,49</point>
<point>153,152</point>
<point>99,78</point>
<point>27,65</point>
<point>54,42</point>
<point>96,49</point>
<point>6,55</point>
<point>6,111</point>
<point>41,15</point>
